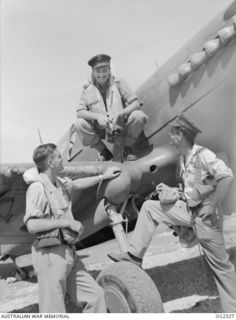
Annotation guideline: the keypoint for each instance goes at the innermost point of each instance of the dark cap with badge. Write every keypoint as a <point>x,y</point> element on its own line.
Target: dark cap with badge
<point>183,122</point>
<point>100,60</point>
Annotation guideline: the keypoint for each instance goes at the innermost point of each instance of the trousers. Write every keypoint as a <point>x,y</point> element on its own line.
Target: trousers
<point>90,134</point>
<point>59,270</point>
<point>209,235</point>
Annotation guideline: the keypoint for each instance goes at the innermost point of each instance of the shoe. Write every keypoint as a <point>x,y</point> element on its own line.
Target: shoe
<point>129,155</point>
<point>105,155</point>
<point>126,256</point>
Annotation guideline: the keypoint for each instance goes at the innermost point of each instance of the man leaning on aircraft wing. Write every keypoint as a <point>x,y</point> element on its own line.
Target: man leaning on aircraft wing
<point>49,216</point>
<point>206,180</point>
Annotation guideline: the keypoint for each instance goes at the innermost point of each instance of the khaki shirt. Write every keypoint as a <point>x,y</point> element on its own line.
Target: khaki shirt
<point>206,163</point>
<point>37,202</point>
<point>94,102</point>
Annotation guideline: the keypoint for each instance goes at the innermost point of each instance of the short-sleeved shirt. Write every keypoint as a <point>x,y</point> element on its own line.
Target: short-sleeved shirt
<point>37,199</point>
<point>206,164</point>
<point>126,94</point>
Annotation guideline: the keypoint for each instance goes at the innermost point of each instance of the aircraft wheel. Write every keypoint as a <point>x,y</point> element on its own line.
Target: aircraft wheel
<point>128,289</point>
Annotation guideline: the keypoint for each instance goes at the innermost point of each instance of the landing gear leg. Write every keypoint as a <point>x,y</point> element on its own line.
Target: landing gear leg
<point>116,223</point>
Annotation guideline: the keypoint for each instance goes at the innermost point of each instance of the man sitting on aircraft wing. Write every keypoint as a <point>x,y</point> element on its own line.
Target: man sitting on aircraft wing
<point>108,109</point>
<point>49,216</point>
<point>206,180</point>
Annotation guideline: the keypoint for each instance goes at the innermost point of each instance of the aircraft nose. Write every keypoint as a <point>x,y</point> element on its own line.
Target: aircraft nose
<point>118,189</point>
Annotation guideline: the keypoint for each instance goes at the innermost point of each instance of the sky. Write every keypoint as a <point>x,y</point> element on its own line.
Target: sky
<point>45,46</point>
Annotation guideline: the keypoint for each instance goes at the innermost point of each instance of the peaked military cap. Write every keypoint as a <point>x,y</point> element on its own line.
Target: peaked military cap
<point>99,60</point>
<point>182,121</point>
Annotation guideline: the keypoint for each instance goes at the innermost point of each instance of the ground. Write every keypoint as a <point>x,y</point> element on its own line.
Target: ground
<point>184,281</point>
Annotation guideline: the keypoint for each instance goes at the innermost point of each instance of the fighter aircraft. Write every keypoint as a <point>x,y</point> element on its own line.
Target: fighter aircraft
<point>198,80</point>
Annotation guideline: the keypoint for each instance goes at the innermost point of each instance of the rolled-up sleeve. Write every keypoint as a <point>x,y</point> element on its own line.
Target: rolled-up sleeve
<point>215,166</point>
<point>126,93</point>
<point>82,103</point>
<point>67,183</point>
<point>36,202</point>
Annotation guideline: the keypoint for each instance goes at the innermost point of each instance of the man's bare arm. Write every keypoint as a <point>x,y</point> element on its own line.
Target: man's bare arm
<point>84,183</point>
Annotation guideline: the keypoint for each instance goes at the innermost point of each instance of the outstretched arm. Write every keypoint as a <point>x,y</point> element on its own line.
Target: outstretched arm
<point>84,183</point>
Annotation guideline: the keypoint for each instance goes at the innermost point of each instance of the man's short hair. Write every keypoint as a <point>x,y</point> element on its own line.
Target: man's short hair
<point>188,128</point>
<point>188,135</point>
<point>41,155</point>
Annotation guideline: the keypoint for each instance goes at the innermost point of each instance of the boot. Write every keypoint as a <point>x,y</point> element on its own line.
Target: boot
<point>126,256</point>
<point>104,153</point>
<point>129,155</point>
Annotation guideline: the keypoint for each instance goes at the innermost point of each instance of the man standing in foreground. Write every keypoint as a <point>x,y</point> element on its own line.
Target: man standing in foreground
<point>48,208</point>
<point>206,180</point>
<point>108,108</point>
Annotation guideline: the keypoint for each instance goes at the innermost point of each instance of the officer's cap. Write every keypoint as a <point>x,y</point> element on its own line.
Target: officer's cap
<point>183,122</point>
<point>100,60</point>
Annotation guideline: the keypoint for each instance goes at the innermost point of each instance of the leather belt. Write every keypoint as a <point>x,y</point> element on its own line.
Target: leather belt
<point>194,210</point>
